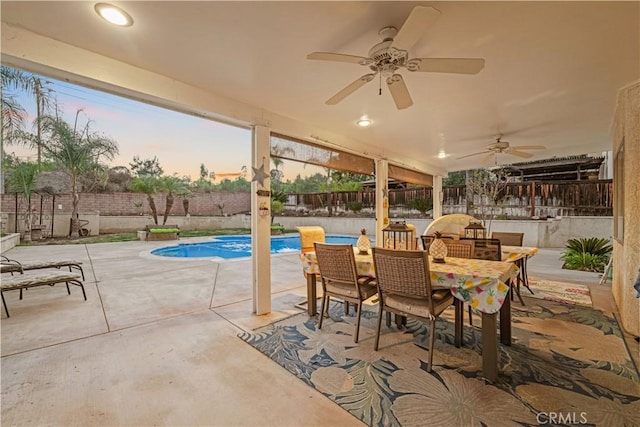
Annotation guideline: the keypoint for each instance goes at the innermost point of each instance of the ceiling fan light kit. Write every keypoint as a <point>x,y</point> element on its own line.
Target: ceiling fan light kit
<point>392,53</point>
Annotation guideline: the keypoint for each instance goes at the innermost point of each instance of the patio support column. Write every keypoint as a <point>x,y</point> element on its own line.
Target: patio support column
<point>382,199</point>
<point>261,220</point>
<point>438,197</point>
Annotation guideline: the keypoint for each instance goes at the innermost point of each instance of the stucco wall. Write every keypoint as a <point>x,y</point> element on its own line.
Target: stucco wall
<point>627,253</point>
<point>542,234</point>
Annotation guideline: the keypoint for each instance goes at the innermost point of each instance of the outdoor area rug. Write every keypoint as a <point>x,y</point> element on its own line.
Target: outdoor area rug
<point>565,293</point>
<point>566,360</point>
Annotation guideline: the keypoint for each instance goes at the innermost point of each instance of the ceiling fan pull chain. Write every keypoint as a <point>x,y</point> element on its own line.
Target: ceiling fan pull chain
<point>380,84</point>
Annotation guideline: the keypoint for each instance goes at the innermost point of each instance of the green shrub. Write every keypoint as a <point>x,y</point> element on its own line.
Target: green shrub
<point>421,205</point>
<point>591,245</point>
<point>355,207</point>
<point>590,254</point>
<point>163,230</point>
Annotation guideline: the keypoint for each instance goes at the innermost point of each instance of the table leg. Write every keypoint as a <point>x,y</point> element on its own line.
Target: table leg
<point>505,321</point>
<point>490,346</point>
<point>459,319</point>
<point>525,275</point>
<point>312,306</point>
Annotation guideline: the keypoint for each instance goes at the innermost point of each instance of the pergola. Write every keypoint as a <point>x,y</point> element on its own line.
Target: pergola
<point>551,76</point>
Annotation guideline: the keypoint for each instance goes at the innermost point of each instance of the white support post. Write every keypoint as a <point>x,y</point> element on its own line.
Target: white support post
<point>261,220</point>
<point>437,196</point>
<point>382,199</point>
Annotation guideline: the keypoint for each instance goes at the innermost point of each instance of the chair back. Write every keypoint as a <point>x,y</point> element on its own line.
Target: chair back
<point>508,239</point>
<point>460,248</point>
<point>336,263</point>
<point>402,272</point>
<point>308,236</point>
<point>487,249</point>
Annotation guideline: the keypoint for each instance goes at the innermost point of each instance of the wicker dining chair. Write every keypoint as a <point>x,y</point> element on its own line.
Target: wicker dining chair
<point>487,249</point>
<point>508,239</point>
<point>337,265</point>
<point>464,248</point>
<point>460,248</point>
<point>404,288</point>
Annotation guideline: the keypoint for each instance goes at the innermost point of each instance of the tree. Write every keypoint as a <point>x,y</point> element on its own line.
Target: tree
<point>172,185</point>
<point>146,167</point>
<point>148,185</point>
<point>486,191</point>
<point>13,113</point>
<point>22,179</point>
<point>77,151</point>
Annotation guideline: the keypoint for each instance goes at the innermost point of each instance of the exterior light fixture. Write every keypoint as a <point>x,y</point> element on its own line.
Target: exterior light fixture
<point>364,122</point>
<point>113,14</point>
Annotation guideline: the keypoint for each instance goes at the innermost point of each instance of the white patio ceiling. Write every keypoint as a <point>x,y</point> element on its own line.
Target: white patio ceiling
<point>551,75</point>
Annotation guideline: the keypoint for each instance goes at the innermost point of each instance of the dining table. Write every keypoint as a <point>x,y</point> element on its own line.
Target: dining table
<point>482,284</point>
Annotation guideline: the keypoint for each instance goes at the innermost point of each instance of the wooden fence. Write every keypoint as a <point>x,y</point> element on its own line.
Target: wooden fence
<point>522,200</point>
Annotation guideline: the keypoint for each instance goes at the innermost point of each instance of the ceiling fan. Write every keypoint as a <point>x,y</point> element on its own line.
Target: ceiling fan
<point>504,147</point>
<point>391,54</point>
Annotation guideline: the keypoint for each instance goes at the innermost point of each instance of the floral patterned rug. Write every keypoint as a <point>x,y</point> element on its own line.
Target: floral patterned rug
<point>566,363</point>
<point>565,293</point>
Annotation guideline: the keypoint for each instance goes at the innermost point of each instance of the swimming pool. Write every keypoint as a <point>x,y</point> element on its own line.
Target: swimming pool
<point>231,247</point>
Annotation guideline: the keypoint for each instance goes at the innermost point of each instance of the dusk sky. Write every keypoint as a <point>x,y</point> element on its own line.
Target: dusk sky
<point>180,141</point>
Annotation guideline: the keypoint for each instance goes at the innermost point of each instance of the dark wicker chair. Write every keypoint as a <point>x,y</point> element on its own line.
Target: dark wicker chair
<point>508,239</point>
<point>337,264</point>
<point>491,250</point>
<point>404,288</point>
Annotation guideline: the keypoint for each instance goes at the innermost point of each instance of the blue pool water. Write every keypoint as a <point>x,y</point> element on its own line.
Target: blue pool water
<point>230,247</point>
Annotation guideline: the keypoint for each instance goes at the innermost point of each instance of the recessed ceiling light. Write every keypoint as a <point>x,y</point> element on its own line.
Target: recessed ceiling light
<point>442,154</point>
<point>364,122</point>
<point>114,14</point>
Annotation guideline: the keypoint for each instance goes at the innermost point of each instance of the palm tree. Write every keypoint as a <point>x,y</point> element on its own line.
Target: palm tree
<point>13,113</point>
<point>148,185</point>
<point>172,185</point>
<point>22,179</point>
<point>77,151</point>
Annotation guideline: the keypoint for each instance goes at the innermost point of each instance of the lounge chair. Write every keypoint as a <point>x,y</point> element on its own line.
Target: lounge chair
<point>12,266</point>
<point>31,280</point>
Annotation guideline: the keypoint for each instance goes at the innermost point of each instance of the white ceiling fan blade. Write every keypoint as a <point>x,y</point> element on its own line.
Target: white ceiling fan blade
<point>529,147</point>
<point>339,57</point>
<point>474,154</point>
<point>446,65</point>
<point>522,154</point>
<point>419,20</point>
<point>399,92</point>
<point>352,87</point>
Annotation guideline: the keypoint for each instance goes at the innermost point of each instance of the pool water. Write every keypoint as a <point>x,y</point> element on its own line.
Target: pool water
<point>230,247</point>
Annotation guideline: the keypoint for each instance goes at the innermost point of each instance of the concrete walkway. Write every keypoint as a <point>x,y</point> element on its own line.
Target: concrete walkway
<point>156,342</point>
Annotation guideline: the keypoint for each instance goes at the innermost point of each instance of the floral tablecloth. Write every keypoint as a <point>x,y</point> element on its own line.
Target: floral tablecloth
<point>514,253</point>
<point>480,283</point>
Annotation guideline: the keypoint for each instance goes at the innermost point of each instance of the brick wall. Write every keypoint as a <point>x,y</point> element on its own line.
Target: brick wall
<point>125,203</point>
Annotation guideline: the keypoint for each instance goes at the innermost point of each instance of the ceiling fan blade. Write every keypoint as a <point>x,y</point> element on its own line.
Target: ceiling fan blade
<point>399,92</point>
<point>339,57</point>
<point>522,154</point>
<point>419,20</point>
<point>446,65</point>
<point>352,87</point>
<point>529,147</point>
<point>474,154</point>
<point>486,160</point>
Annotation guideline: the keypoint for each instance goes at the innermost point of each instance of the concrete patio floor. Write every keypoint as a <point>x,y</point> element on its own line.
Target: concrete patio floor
<point>156,342</point>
